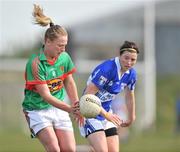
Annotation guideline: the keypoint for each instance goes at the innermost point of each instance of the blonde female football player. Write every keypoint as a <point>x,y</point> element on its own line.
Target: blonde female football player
<point>48,74</point>
<point>107,80</point>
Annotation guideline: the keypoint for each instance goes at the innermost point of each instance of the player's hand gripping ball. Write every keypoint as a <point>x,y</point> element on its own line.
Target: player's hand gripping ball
<point>90,105</point>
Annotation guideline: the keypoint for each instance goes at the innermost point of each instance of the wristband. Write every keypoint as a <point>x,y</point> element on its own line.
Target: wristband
<point>107,114</point>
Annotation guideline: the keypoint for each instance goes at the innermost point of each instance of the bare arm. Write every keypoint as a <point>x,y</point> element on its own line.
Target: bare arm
<point>130,103</point>
<point>44,92</point>
<point>71,89</point>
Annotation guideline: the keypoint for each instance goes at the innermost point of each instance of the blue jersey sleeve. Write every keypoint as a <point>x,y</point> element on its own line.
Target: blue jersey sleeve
<point>100,75</point>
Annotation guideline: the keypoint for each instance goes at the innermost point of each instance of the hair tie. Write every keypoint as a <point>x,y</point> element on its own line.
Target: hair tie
<point>51,24</point>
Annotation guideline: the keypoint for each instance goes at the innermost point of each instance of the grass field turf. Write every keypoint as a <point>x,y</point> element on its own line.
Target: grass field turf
<point>161,139</point>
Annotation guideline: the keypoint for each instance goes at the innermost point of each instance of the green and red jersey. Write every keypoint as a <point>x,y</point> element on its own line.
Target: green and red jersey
<point>40,71</point>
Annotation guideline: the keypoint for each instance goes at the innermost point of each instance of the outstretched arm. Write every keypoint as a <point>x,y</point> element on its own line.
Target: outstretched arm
<point>130,103</point>
<point>71,90</point>
<point>44,92</point>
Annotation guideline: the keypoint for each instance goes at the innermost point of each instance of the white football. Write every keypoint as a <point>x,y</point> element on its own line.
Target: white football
<point>90,105</point>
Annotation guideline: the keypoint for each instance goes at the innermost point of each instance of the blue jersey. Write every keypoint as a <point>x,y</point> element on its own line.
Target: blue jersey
<point>109,81</point>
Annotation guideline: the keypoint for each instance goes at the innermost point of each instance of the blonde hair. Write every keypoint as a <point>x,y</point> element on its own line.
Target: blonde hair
<point>54,31</point>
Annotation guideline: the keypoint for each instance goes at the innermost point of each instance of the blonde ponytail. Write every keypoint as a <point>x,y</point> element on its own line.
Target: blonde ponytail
<point>40,18</point>
<point>54,31</point>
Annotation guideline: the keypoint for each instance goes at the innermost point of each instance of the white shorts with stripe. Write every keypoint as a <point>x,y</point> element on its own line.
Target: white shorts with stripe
<point>40,119</point>
<point>93,125</point>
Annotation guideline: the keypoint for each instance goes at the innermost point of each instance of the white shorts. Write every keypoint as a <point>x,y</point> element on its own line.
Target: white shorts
<point>40,119</point>
<point>93,125</point>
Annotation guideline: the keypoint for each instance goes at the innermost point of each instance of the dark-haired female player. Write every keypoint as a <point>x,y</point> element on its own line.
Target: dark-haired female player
<point>106,81</point>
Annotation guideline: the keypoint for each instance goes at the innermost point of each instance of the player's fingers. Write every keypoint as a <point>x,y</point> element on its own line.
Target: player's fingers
<point>75,109</point>
<point>76,103</point>
<point>126,124</point>
<point>117,123</point>
<point>81,121</point>
<point>117,120</point>
<point>76,106</point>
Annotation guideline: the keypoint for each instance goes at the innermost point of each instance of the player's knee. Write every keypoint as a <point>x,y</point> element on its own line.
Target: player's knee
<point>52,148</point>
<point>100,149</point>
<point>68,148</point>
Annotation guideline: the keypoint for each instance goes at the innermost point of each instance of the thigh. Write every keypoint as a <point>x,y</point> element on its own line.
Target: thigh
<point>113,143</point>
<point>48,138</point>
<point>66,140</point>
<point>98,141</point>
<point>38,120</point>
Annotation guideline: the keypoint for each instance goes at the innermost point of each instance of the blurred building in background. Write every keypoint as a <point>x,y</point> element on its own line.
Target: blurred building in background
<point>101,38</point>
<point>155,27</point>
